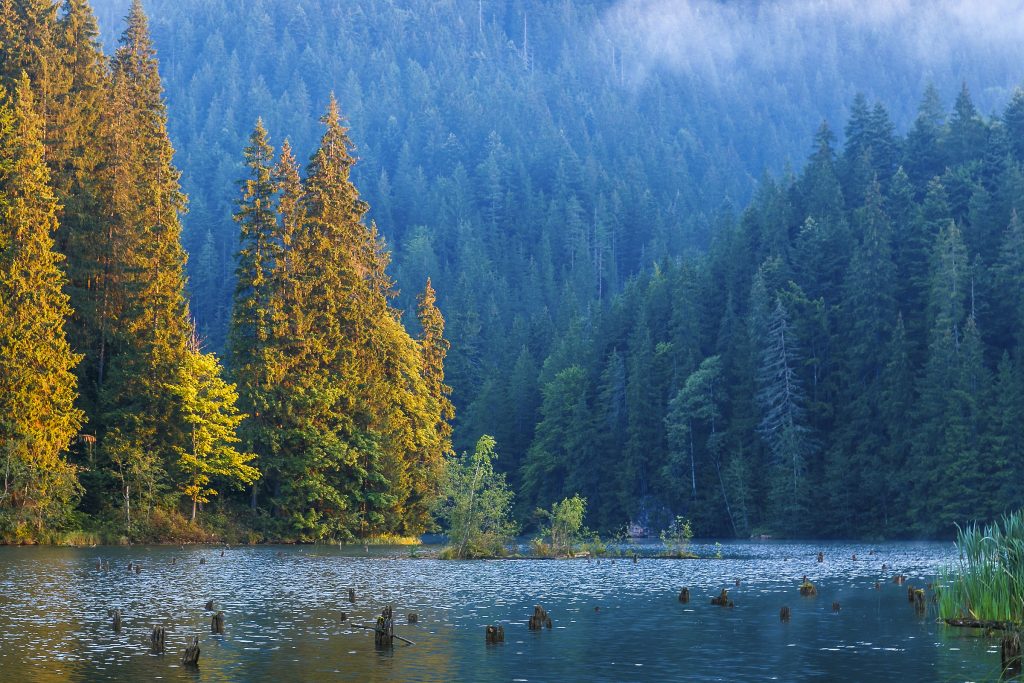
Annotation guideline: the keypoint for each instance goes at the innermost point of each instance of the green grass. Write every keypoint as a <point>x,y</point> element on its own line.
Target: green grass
<point>987,581</point>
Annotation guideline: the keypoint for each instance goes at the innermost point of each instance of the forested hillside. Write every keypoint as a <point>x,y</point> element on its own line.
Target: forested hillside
<point>565,182</point>
<point>531,157</point>
<point>846,359</point>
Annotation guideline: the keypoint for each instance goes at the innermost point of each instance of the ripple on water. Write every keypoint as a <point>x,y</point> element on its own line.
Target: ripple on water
<point>283,616</point>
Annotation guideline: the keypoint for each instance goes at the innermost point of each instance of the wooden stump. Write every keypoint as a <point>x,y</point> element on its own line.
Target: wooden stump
<point>222,553</point>
<point>821,557</point>
<point>209,605</point>
<point>920,605</point>
<point>191,656</point>
<point>343,616</point>
<point>157,639</point>
<point>723,599</point>
<point>878,586</point>
<point>412,617</point>
<point>495,634</point>
<point>174,561</point>
<point>130,566</point>
<point>784,615</point>
<point>737,583</point>
<point>217,623</point>
<point>384,630</point>
<point>115,620</point>
<point>138,568</point>
<point>202,560</point>
<point>854,557</point>
<point>99,565</point>
<point>836,606</point>
<point>351,594</point>
<point>807,588</point>
<point>684,596</point>
<point>540,619</point>
<point>1011,656</point>
<point>910,593</point>
<point>899,579</point>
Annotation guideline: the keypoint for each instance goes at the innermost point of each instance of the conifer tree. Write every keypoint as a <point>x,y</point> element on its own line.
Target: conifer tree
<point>143,319</point>
<point>38,418</point>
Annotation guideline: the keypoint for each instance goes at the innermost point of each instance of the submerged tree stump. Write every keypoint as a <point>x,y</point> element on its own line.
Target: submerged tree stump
<point>737,583</point>
<point>910,593</point>
<point>138,568</point>
<point>115,615</point>
<point>836,606</point>
<point>807,588</point>
<point>343,617</point>
<point>495,634</point>
<point>202,560</point>
<point>920,604</point>
<point>878,586</point>
<point>191,656</point>
<point>684,596</point>
<point>209,605</point>
<point>157,640</point>
<point>412,617</point>
<point>821,557</point>
<point>384,630</point>
<point>899,579</point>
<point>784,615</point>
<point>1010,655</point>
<point>723,599</point>
<point>351,594</point>
<point>217,623</point>
<point>540,619</point>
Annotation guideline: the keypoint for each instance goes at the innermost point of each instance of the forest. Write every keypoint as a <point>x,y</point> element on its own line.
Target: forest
<point>841,357</point>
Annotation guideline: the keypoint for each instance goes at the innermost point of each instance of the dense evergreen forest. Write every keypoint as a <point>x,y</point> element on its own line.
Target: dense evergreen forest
<point>839,358</point>
<point>113,411</point>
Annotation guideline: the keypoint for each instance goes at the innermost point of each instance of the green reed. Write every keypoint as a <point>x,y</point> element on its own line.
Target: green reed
<point>987,581</point>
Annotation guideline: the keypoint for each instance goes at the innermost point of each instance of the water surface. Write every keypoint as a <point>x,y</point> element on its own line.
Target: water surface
<point>283,610</point>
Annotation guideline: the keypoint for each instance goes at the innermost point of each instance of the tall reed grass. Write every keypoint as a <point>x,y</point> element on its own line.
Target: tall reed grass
<point>987,581</point>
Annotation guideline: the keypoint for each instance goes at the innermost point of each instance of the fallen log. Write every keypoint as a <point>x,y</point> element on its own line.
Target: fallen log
<point>981,623</point>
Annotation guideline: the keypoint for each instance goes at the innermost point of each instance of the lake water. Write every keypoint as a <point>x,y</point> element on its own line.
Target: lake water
<point>282,609</point>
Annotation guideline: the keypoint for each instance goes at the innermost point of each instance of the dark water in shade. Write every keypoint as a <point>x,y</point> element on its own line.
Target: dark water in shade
<point>282,616</point>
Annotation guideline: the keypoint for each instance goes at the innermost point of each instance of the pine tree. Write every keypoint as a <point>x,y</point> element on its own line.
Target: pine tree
<point>253,332</point>
<point>143,321</point>
<point>37,383</point>
<point>782,424</point>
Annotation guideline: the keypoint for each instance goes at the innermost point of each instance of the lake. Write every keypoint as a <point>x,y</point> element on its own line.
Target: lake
<point>283,608</point>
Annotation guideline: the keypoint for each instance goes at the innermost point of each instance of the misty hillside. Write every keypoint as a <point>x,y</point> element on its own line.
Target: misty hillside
<point>531,158</point>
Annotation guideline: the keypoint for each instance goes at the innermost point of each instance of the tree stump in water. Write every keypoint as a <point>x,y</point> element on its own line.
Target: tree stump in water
<point>784,615</point>
<point>412,617</point>
<point>351,594</point>
<point>836,606</point>
<point>920,605</point>
<point>130,566</point>
<point>217,623</point>
<point>202,560</point>
<point>821,557</point>
<point>384,630</point>
<point>910,593</point>
<point>737,583</point>
<point>191,656</point>
<point>174,561</point>
<point>495,634</point>
<point>343,616</point>
<point>540,619</point>
<point>723,599</point>
<point>116,619</point>
<point>157,639</point>
<point>684,596</point>
<point>899,579</point>
<point>209,605</point>
<point>138,568</point>
<point>878,586</point>
<point>1011,656</point>
<point>807,588</point>
<point>854,557</point>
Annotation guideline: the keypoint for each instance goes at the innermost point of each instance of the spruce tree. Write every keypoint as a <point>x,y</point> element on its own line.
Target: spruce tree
<point>38,389</point>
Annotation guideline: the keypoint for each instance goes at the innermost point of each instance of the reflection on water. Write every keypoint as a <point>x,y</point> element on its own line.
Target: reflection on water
<point>283,607</point>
